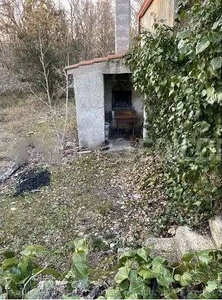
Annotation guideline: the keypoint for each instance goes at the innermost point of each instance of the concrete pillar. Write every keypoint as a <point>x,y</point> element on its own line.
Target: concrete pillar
<point>90,112</point>
<point>122,26</point>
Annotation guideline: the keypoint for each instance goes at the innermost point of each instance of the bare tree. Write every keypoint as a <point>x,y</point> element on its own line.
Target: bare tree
<point>20,21</point>
<point>92,28</point>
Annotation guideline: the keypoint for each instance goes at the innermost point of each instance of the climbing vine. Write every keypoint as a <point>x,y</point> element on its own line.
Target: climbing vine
<point>179,72</point>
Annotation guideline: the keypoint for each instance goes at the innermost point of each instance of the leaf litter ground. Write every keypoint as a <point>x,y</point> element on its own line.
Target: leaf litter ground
<point>97,196</point>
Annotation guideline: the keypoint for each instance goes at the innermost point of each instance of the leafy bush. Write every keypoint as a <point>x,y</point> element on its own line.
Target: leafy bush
<point>139,276</point>
<point>179,72</point>
<point>18,274</point>
<point>196,276</point>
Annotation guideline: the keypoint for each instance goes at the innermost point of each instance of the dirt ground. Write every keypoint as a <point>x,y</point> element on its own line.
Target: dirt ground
<point>94,195</point>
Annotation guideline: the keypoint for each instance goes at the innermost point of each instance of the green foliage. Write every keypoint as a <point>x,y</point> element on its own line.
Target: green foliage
<point>18,273</point>
<point>179,72</point>
<point>78,275</point>
<point>139,276</point>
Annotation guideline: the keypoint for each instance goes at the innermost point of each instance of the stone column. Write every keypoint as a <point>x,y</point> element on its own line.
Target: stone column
<point>122,26</point>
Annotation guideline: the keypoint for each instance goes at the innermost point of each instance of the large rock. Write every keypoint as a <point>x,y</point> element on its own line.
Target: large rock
<point>216,231</point>
<point>183,242</point>
<point>164,247</point>
<point>187,240</point>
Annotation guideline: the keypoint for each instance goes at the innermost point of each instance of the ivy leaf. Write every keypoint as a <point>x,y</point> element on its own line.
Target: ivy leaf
<point>122,274</point>
<point>33,294</point>
<point>126,256</point>
<point>216,63</point>
<point>204,257</point>
<point>147,274</point>
<point>170,294</point>
<point>137,285</point>
<point>211,286</point>
<point>9,262</point>
<point>202,45</point>
<point>165,278</point>
<point>130,295</point>
<point>79,267</point>
<point>217,24</point>
<point>143,253</point>
<point>186,279</point>
<point>188,257</point>
<point>81,246</point>
<point>33,250</point>
<point>49,271</point>
<point>158,263</point>
<point>7,253</point>
<point>210,291</point>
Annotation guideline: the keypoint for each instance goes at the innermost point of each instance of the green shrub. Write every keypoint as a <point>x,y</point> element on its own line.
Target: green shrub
<point>179,72</point>
<point>139,276</point>
<point>18,274</point>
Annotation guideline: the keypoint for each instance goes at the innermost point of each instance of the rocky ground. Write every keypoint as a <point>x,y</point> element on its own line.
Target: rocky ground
<point>96,195</point>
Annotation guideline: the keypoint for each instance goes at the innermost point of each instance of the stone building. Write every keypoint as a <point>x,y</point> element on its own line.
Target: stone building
<point>105,98</point>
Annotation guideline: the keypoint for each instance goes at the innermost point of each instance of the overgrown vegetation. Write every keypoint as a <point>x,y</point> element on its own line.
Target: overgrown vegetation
<point>33,30</point>
<point>197,275</point>
<point>138,276</point>
<point>179,72</point>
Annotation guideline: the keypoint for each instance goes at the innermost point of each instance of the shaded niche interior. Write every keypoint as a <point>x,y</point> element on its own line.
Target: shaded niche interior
<point>121,99</point>
<point>120,114</point>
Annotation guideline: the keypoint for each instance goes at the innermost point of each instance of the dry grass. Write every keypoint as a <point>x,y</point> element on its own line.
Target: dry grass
<point>90,196</point>
<point>27,121</point>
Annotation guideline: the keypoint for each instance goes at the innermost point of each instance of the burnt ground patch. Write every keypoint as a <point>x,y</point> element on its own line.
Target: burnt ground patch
<point>32,180</point>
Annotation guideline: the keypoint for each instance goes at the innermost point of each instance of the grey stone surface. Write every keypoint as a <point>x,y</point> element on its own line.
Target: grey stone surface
<point>216,230</point>
<point>89,95</point>
<point>122,25</point>
<point>187,240</point>
<point>164,247</point>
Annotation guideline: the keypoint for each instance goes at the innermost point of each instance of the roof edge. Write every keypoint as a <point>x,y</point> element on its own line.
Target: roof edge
<point>96,60</point>
<point>146,4</point>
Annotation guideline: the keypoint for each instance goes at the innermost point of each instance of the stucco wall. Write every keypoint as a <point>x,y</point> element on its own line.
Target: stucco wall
<point>159,10</point>
<point>89,95</point>
<point>115,67</point>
